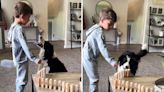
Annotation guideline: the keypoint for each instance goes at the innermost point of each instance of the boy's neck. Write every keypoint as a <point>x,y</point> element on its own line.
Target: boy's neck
<point>100,24</point>
<point>17,21</point>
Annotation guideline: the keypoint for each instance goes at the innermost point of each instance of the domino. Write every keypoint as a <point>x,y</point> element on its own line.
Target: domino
<point>44,72</point>
<point>50,83</point>
<point>142,88</point>
<point>55,84</point>
<point>147,89</point>
<point>139,88</point>
<point>118,84</point>
<point>72,88</point>
<point>116,75</point>
<point>126,86</point>
<point>121,74</point>
<point>151,89</point>
<point>135,87</point>
<point>131,87</point>
<point>128,72</point>
<point>63,86</point>
<point>122,85</point>
<point>39,82</point>
<point>115,83</point>
<point>76,88</point>
<point>46,82</point>
<point>59,85</point>
<point>39,73</point>
<point>67,87</point>
<point>42,82</point>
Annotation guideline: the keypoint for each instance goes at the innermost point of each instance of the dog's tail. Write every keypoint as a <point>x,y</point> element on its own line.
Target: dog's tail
<point>142,53</point>
<point>6,63</point>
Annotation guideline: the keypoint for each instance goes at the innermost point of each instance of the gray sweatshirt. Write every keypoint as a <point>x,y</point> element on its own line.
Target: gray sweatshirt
<point>20,50</point>
<point>95,44</point>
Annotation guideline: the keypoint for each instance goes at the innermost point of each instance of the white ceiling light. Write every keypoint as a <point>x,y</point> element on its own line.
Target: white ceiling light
<point>53,7</point>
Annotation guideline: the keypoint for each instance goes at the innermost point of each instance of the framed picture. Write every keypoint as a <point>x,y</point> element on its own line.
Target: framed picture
<point>73,27</point>
<point>73,16</point>
<point>71,5</point>
<point>152,21</point>
<point>152,32</point>
<point>76,36</point>
<point>160,41</point>
<point>74,5</point>
<point>159,10</point>
<point>154,10</point>
<point>79,5</point>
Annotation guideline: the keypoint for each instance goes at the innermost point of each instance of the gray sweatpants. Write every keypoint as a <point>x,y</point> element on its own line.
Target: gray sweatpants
<point>21,76</point>
<point>91,69</point>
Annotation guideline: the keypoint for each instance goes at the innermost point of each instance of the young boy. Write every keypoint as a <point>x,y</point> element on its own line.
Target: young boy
<point>95,44</point>
<point>20,50</point>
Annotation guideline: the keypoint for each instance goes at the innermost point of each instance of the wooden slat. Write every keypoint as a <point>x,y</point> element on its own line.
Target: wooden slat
<point>146,81</point>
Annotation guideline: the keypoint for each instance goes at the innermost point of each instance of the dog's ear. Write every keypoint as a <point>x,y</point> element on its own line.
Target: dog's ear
<point>121,59</point>
<point>49,51</point>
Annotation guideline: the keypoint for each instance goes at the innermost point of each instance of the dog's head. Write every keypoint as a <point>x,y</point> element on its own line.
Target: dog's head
<point>47,51</point>
<point>130,60</point>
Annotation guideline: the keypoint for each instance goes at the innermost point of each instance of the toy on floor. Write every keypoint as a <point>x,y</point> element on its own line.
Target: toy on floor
<point>119,83</point>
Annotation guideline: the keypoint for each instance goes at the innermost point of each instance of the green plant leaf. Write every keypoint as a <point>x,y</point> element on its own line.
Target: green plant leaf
<point>162,64</point>
<point>162,56</point>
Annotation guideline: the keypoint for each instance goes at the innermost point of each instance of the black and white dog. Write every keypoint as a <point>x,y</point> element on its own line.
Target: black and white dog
<point>47,54</point>
<point>130,60</point>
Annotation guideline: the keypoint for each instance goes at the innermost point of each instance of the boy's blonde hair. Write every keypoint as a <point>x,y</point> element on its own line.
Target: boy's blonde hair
<point>107,13</point>
<point>23,7</point>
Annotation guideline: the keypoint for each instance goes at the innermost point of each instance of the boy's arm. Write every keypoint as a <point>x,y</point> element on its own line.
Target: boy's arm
<point>26,49</point>
<point>103,49</point>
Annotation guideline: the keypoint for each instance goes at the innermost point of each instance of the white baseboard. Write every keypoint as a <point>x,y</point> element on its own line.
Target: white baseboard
<point>73,46</point>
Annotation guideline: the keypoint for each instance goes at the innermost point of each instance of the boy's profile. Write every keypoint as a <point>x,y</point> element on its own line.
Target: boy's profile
<point>95,44</point>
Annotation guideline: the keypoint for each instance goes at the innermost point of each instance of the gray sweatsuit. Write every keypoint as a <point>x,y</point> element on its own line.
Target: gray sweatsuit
<point>21,55</point>
<point>94,45</point>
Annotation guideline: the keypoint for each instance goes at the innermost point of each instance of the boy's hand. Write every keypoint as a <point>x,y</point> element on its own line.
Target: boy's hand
<point>115,65</point>
<point>40,62</point>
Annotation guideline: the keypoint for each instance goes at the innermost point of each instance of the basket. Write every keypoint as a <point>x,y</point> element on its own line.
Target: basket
<point>159,85</point>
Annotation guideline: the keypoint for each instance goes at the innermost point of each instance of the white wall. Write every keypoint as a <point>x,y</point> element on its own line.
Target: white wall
<point>1,45</point>
<point>58,31</point>
<point>56,12</point>
<point>40,7</point>
<point>137,30</point>
<point>137,20</point>
<point>120,7</point>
